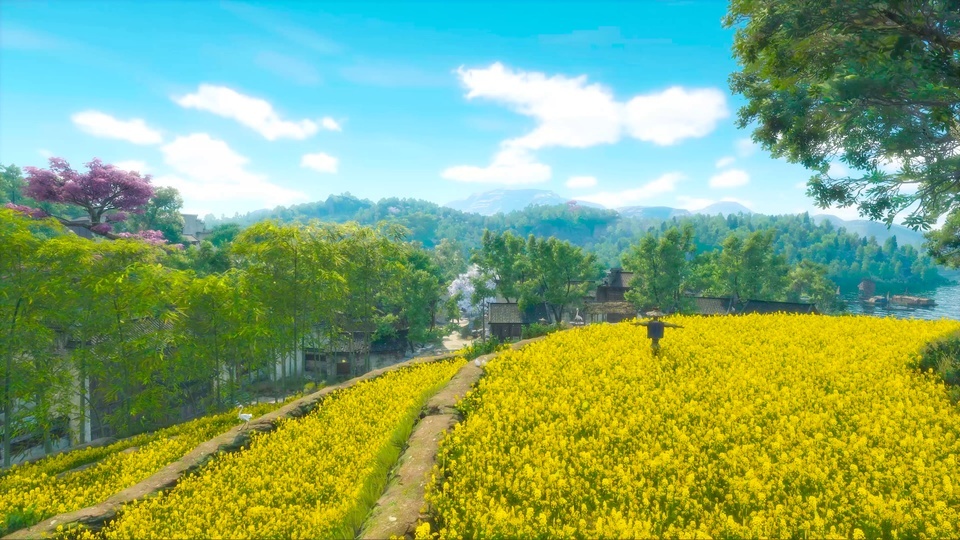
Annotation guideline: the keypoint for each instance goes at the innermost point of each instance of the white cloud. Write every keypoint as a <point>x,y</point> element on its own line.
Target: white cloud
<point>511,166</point>
<point>330,123</point>
<point>663,184</point>
<point>693,203</point>
<point>99,124</point>
<point>252,112</point>
<point>746,147</point>
<point>131,165</point>
<point>44,152</point>
<point>572,113</point>
<point>581,181</point>
<point>801,185</point>
<point>838,170</point>
<point>320,162</point>
<point>725,161</point>
<point>730,178</point>
<point>208,170</point>
<point>675,114</point>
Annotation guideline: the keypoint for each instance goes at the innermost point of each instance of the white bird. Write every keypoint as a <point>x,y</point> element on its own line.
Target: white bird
<point>245,417</point>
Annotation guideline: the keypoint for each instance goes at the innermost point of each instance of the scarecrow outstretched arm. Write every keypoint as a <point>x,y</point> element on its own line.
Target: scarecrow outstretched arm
<point>671,325</point>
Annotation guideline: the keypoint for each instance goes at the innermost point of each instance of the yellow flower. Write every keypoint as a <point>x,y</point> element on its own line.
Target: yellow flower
<point>751,426</point>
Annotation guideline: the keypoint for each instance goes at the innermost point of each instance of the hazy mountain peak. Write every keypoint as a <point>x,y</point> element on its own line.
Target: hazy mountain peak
<point>724,208</point>
<point>508,200</point>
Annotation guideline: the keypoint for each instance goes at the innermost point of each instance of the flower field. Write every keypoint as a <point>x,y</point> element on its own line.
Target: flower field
<point>33,492</point>
<point>313,477</point>
<point>752,426</point>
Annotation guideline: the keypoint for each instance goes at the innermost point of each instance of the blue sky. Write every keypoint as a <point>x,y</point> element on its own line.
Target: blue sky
<point>250,105</point>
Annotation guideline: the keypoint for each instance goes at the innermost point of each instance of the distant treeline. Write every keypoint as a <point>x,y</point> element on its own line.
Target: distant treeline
<point>848,257</point>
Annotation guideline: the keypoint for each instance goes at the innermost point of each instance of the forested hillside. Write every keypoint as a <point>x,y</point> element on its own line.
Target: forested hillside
<point>848,257</point>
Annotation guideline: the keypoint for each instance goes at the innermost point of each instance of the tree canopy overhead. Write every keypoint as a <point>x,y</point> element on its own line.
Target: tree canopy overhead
<point>875,84</point>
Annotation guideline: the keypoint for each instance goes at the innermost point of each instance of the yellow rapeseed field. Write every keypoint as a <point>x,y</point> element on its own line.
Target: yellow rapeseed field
<point>752,426</point>
<point>313,477</point>
<point>33,492</point>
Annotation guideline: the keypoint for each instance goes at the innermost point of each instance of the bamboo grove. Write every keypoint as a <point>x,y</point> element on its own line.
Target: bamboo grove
<point>162,343</point>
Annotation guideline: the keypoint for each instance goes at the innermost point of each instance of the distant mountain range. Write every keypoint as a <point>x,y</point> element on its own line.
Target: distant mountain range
<point>867,228</point>
<point>489,203</point>
<point>509,200</point>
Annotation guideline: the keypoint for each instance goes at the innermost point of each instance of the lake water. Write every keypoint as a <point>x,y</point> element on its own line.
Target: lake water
<point>947,298</point>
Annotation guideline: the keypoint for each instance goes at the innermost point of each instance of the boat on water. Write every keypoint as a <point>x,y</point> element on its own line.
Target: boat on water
<point>876,300</point>
<point>918,301</point>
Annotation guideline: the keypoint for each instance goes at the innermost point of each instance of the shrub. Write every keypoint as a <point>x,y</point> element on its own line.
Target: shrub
<point>537,330</point>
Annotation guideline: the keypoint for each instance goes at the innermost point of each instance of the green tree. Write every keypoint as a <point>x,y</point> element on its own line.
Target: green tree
<point>421,288</point>
<point>222,235</point>
<point>292,271</point>
<point>448,255</point>
<point>661,269</point>
<point>22,332</point>
<point>875,84</point>
<point>162,213</point>
<point>559,274</point>
<point>808,281</point>
<point>750,268</point>
<point>372,268</point>
<point>11,184</point>
<point>218,332</point>
<point>502,259</point>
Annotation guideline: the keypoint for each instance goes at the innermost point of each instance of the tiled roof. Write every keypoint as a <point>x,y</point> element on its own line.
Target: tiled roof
<point>707,305</point>
<point>762,306</point>
<point>616,277</point>
<point>138,328</point>
<point>505,313</point>
<point>618,308</point>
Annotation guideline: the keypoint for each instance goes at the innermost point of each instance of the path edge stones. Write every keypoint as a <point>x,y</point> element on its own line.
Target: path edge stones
<point>398,510</point>
<point>98,515</point>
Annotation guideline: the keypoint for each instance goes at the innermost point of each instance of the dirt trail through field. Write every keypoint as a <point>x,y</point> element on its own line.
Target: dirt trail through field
<point>402,505</point>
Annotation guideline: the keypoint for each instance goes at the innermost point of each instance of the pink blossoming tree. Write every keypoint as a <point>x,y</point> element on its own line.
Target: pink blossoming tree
<point>107,193</point>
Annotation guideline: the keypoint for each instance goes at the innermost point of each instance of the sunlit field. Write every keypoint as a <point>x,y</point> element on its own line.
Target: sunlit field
<point>753,426</point>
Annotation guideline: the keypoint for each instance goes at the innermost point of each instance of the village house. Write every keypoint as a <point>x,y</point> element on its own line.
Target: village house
<point>194,230</point>
<point>609,303</point>
<point>712,305</point>
<point>506,321</point>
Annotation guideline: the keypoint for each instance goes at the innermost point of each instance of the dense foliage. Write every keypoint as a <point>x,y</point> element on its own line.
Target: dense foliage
<point>875,84</point>
<point>847,256</point>
<point>548,272</point>
<point>150,341</point>
<point>768,426</point>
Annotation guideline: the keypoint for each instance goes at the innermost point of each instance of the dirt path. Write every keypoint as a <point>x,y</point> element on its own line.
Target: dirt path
<point>454,342</point>
<point>401,507</point>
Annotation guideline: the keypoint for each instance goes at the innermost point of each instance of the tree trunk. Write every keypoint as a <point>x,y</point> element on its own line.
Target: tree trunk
<point>83,397</point>
<point>7,398</point>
